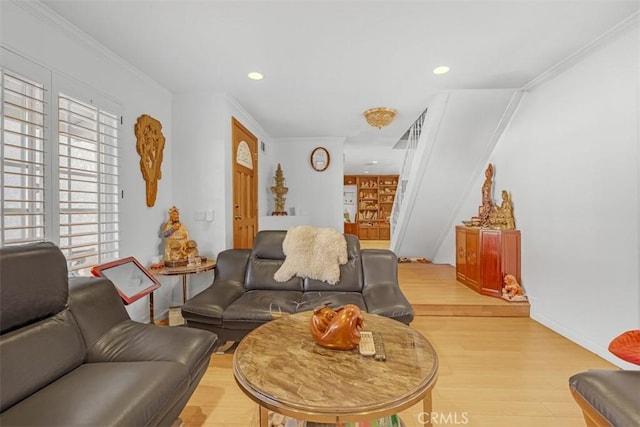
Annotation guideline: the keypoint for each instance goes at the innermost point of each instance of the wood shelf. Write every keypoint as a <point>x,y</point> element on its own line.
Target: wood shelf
<point>375,196</point>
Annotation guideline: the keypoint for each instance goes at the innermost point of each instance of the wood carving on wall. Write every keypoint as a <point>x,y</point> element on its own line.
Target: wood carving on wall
<point>150,146</point>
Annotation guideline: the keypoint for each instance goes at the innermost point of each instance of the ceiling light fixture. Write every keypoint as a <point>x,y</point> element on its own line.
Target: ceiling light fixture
<point>443,69</point>
<point>380,116</point>
<point>255,76</point>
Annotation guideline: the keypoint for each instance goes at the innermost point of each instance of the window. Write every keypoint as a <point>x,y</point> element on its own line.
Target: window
<point>63,187</point>
<point>23,164</point>
<point>88,179</point>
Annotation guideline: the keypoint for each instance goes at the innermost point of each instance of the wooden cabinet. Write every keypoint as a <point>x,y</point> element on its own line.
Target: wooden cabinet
<point>485,256</point>
<point>375,196</point>
<point>351,228</point>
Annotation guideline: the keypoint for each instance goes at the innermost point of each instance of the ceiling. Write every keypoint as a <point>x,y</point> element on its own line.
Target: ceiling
<point>326,62</point>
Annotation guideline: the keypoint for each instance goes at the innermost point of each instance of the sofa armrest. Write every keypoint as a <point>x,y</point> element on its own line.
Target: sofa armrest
<point>381,291</point>
<point>131,341</point>
<point>96,306</point>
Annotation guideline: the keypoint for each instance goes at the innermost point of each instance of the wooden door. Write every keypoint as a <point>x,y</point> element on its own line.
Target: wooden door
<point>245,185</point>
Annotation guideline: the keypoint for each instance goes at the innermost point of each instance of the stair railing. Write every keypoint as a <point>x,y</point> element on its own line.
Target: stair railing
<point>412,143</point>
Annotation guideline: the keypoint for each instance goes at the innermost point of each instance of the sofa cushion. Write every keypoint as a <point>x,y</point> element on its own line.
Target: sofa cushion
<point>257,307</point>
<point>266,258</point>
<point>268,244</point>
<point>613,394</point>
<point>312,300</point>
<point>101,394</point>
<point>36,355</point>
<point>34,284</point>
<point>260,273</point>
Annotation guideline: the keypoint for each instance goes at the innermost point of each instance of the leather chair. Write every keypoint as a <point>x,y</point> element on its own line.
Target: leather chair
<point>608,397</point>
<point>71,356</point>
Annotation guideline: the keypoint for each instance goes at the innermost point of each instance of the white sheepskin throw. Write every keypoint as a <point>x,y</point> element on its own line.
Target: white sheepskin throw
<point>316,253</point>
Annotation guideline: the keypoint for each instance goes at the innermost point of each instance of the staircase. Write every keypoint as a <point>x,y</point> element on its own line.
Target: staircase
<point>448,149</point>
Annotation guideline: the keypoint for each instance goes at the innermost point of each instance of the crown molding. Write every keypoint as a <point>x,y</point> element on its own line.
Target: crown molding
<point>235,104</point>
<point>315,139</point>
<point>618,30</point>
<point>41,11</point>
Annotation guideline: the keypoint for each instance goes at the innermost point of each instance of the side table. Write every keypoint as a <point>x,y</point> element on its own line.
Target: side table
<point>209,264</point>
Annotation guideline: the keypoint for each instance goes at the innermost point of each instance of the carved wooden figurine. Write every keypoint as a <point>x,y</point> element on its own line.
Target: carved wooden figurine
<point>150,146</point>
<point>339,329</point>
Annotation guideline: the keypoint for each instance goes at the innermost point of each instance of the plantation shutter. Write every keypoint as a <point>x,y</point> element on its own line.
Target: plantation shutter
<point>23,160</point>
<point>88,192</point>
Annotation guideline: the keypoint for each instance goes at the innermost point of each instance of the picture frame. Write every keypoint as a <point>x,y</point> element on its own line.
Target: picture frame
<point>320,159</point>
<point>130,278</point>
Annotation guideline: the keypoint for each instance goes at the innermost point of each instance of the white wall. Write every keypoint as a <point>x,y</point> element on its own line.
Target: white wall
<point>33,32</point>
<point>203,173</point>
<point>570,158</point>
<point>317,195</point>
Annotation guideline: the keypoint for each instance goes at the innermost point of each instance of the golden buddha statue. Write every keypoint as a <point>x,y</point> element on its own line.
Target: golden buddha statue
<point>177,248</point>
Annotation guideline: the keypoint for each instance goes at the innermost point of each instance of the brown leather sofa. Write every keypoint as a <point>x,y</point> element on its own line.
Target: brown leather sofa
<point>608,397</point>
<point>244,294</point>
<point>71,356</point>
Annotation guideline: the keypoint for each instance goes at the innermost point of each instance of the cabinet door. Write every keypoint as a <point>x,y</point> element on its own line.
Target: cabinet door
<point>374,233</point>
<point>363,232</point>
<point>472,259</point>
<point>511,253</point>
<point>385,232</point>
<point>491,268</point>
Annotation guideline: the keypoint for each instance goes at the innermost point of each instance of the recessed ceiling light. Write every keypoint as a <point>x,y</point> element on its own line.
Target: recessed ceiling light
<point>366,171</point>
<point>255,76</point>
<point>443,69</point>
<point>374,162</point>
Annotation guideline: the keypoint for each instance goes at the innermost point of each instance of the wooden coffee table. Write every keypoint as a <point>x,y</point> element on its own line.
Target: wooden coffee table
<point>280,367</point>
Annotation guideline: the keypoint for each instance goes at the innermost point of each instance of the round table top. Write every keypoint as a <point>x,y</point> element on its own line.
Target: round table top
<point>282,368</point>
<point>207,265</point>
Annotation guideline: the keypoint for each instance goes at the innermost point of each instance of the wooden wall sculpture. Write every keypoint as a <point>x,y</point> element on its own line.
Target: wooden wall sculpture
<point>150,146</point>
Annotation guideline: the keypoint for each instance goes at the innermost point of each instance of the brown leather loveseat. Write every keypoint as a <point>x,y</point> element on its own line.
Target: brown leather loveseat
<point>245,295</point>
<point>71,356</point>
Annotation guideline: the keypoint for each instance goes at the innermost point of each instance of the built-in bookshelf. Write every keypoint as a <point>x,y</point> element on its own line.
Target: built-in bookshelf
<point>374,201</point>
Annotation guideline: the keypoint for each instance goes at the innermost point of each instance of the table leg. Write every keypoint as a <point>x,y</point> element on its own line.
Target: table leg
<point>426,408</point>
<point>152,319</point>
<point>184,288</point>
<point>264,417</point>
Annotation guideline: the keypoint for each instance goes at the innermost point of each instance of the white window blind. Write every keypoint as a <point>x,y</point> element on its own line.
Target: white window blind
<point>88,179</point>
<point>23,160</point>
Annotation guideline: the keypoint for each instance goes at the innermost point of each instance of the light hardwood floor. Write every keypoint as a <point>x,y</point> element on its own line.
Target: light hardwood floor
<point>494,371</point>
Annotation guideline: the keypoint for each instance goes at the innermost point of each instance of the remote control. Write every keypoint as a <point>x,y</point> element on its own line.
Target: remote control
<point>366,346</point>
<point>379,346</point>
